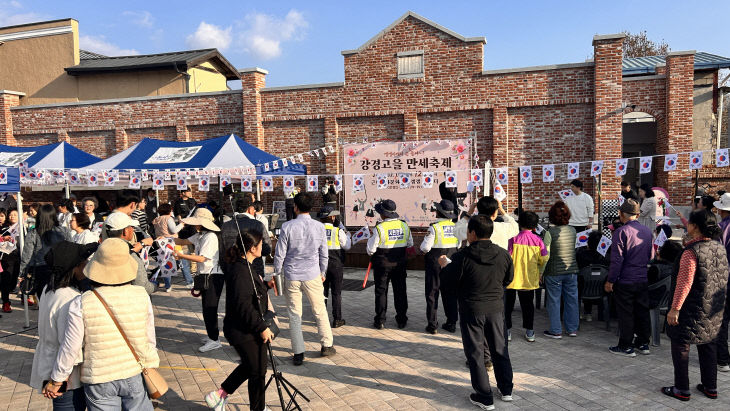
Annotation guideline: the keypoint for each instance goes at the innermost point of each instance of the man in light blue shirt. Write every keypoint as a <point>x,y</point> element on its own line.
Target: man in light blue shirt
<point>301,255</point>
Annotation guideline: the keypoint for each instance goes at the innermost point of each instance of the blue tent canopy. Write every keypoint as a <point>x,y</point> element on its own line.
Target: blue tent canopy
<point>13,181</point>
<point>219,153</point>
<point>55,156</point>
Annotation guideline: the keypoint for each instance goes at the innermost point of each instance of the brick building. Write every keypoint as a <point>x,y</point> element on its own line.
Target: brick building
<point>417,80</point>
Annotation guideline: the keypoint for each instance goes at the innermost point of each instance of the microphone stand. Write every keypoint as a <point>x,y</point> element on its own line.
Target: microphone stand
<point>282,384</point>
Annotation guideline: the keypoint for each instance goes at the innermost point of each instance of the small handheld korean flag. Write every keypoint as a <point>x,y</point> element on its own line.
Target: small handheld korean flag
<point>661,238</point>
<point>721,158</point>
<point>548,173</point>
<point>382,181</point>
<point>182,183</point>
<point>404,180</point>
<point>224,181</point>
<point>246,183</point>
<point>427,179</point>
<point>477,177</point>
<point>695,160</point>
<point>361,234</point>
<point>3,175</point>
<point>564,194</point>
<point>526,174</point>
<point>450,178</point>
<point>621,166</point>
<point>581,239</point>
<point>604,245</point>
<point>204,183</point>
<point>135,180</point>
<point>312,183</point>
<point>670,162</point>
<point>158,181</point>
<point>499,193</point>
<point>288,184</point>
<point>573,171</point>
<point>268,183</point>
<point>645,165</point>
<point>338,183</point>
<point>502,176</point>
<point>358,182</point>
<point>621,199</point>
<point>596,168</point>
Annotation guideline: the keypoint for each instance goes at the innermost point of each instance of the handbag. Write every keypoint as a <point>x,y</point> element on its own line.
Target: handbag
<point>200,282</point>
<point>154,382</point>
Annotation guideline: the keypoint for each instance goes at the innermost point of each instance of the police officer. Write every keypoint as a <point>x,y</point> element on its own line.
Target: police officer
<point>387,248</point>
<point>439,240</point>
<point>338,241</point>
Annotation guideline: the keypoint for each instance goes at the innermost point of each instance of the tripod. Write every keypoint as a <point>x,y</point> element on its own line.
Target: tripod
<point>277,376</point>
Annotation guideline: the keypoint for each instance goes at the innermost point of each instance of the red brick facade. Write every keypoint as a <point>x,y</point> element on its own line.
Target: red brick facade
<point>555,114</point>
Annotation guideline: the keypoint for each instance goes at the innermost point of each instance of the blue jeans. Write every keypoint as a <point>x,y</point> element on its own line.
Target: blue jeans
<point>187,272</point>
<point>167,282</point>
<point>127,394</point>
<point>566,286</point>
<point>70,400</point>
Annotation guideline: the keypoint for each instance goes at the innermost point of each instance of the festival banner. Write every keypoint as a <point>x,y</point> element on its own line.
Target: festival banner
<point>448,161</point>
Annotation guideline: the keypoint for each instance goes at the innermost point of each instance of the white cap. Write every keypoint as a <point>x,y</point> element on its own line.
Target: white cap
<point>119,221</point>
<point>724,203</point>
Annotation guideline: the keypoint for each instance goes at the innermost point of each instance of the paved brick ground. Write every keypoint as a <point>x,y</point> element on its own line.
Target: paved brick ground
<point>386,369</point>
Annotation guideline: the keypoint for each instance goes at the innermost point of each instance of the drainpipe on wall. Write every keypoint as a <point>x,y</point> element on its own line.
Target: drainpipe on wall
<point>719,115</point>
<point>185,75</point>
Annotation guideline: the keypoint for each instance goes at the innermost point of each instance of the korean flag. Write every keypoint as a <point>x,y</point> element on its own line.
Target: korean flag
<point>135,180</point>
<point>268,183</point>
<point>450,177</point>
<point>358,182</point>
<point>573,171</point>
<point>581,239</point>
<point>645,165</point>
<point>404,180</point>
<point>604,245</point>
<point>695,160</point>
<point>502,175</point>
<point>477,177</point>
<point>288,184</point>
<point>3,175</point>
<point>158,181</point>
<point>312,183</point>
<point>338,183</point>
<point>204,183</point>
<point>596,168</point>
<point>526,174</point>
<point>224,181</point>
<point>246,184</point>
<point>361,234</point>
<point>73,178</point>
<point>670,162</point>
<point>621,166</point>
<point>92,179</point>
<point>548,173</point>
<point>499,193</point>
<point>182,183</point>
<point>721,158</point>
<point>427,179</point>
<point>382,181</point>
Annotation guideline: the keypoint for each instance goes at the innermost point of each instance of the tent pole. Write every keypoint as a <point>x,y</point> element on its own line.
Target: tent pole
<point>68,190</point>
<point>258,190</point>
<point>21,243</point>
<point>157,198</point>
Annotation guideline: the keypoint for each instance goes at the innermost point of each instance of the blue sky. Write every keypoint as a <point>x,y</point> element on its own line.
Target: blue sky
<point>300,42</point>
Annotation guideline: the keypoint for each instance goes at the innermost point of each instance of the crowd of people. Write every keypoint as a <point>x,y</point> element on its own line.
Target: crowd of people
<point>89,276</point>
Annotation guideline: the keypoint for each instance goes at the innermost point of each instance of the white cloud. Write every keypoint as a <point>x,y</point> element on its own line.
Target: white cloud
<point>140,18</point>
<point>98,44</point>
<point>265,33</point>
<point>210,36</point>
<point>11,14</point>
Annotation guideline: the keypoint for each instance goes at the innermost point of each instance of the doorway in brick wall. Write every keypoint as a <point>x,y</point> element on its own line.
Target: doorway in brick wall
<point>639,139</point>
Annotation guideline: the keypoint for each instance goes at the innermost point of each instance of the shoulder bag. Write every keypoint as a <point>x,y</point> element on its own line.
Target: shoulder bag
<point>154,382</point>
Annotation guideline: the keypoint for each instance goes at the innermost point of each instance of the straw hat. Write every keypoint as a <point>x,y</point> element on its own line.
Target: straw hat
<point>112,264</point>
<point>204,217</point>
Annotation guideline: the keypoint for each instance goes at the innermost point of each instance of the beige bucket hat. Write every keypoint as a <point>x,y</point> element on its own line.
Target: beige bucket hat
<point>204,217</point>
<point>112,264</point>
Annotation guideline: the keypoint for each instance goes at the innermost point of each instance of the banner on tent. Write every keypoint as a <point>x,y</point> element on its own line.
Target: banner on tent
<point>404,164</point>
<point>167,155</point>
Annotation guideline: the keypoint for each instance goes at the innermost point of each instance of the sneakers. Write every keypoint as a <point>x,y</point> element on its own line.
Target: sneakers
<point>449,327</point>
<point>628,352</point>
<point>530,335</point>
<point>712,394</point>
<point>644,349</point>
<point>215,401</point>
<point>588,318</point>
<point>189,286</point>
<point>509,335</point>
<point>506,397</point>
<point>168,290</point>
<point>573,334</point>
<point>6,308</point>
<point>723,367</point>
<point>327,351</point>
<point>431,330</point>
<point>299,359</point>
<point>210,345</point>
<point>338,323</point>
<point>670,391</point>
<point>554,336</point>
<point>480,403</point>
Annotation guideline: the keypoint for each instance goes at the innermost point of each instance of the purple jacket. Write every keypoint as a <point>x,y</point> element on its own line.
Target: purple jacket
<point>725,238</point>
<point>631,250</point>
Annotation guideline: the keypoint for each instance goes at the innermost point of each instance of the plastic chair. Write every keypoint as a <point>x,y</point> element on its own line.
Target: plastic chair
<point>662,286</point>
<point>594,278</point>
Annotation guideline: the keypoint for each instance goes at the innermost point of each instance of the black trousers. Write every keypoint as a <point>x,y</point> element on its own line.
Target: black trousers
<point>333,283</point>
<point>432,291</point>
<point>9,276</point>
<point>632,308</point>
<point>475,330</point>
<point>211,297</point>
<point>708,365</point>
<point>397,276</point>
<point>252,368</point>
<point>723,356</point>
<point>527,305</point>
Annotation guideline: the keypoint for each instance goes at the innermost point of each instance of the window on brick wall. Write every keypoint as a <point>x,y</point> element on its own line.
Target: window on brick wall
<point>410,64</point>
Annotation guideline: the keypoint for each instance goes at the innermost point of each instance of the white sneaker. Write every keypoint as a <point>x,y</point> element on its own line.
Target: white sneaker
<point>168,290</point>
<point>210,346</point>
<point>723,368</point>
<point>509,335</point>
<point>189,286</point>
<point>214,401</point>
<point>507,398</point>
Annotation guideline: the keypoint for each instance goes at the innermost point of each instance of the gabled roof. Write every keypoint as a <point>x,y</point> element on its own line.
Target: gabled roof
<point>648,64</point>
<point>179,60</point>
<point>88,55</point>
<point>422,19</point>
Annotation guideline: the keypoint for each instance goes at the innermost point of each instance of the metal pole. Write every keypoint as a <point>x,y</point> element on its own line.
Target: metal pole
<point>519,190</point>
<point>600,203</point>
<point>21,244</point>
<point>697,181</point>
<point>258,189</point>
<point>68,190</point>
